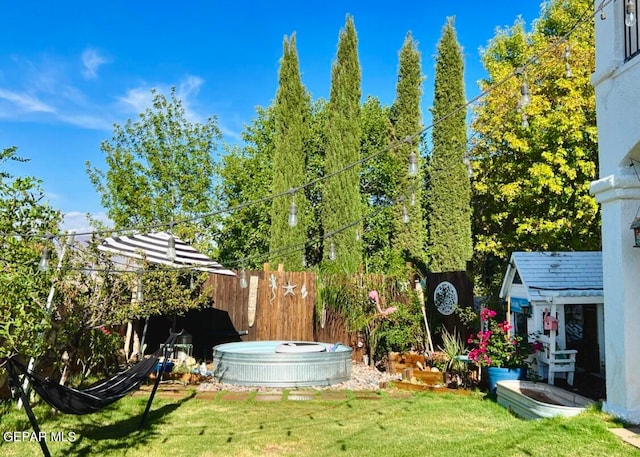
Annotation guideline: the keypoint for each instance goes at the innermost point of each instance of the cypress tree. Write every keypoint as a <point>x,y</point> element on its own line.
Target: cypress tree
<point>449,195</point>
<point>408,237</point>
<point>291,113</point>
<point>342,203</point>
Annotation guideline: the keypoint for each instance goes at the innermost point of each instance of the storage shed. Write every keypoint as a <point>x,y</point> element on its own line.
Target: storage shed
<point>566,290</point>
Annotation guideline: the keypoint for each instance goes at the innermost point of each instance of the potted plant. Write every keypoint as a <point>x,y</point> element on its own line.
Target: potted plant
<point>456,367</point>
<point>505,355</point>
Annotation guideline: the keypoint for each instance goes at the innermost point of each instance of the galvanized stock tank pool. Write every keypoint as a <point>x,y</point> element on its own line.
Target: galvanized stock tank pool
<point>281,363</point>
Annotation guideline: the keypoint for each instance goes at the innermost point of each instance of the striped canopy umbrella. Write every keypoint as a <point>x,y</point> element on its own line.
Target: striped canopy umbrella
<point>154,248</point>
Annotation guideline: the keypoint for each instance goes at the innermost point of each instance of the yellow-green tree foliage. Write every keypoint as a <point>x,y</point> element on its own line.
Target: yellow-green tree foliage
<point>531,183</point>
<point>159,169</point>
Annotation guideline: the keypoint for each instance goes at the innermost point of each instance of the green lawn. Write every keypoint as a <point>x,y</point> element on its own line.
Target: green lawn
<point>424,424</point>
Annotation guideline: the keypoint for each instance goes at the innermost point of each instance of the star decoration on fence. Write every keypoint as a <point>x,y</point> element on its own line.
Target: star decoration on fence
<point>288,288</point>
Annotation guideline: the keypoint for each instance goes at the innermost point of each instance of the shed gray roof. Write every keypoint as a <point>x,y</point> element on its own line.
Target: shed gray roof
<point>563,274</point>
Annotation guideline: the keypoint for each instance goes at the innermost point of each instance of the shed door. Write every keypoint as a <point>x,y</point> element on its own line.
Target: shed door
<point>582,334</point>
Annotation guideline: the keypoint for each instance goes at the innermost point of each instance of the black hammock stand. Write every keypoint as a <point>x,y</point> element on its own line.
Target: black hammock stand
<point>68,400</point>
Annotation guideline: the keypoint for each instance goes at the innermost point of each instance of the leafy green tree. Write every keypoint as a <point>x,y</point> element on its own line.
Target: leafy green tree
<point>246,175</point>
<point>449,188</point>
<point>379,185</point>
<point>160,173</point>
<point>159,170</point>
<point>291,117</point>
<point>26,222</point>
<point>531,183</point>
<point>341,193</point>
<point>409,236</point>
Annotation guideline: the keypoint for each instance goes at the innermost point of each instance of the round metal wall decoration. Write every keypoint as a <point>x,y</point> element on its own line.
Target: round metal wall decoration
<point>445,298</point>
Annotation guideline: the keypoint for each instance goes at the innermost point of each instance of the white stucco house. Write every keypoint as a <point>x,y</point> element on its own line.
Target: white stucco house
<point>617,87</point>
<point>568,288</point>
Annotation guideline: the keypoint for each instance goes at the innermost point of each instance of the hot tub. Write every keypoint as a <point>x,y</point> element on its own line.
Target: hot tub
<point>293,364</point>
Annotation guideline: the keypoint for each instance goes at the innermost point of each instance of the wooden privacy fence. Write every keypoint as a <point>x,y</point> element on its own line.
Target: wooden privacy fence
<point>276,305</point>
<point>280,305</point>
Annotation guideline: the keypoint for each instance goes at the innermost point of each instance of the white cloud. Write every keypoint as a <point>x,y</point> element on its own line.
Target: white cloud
<point>43,93</point>
<point>91,61</point>
<point>186,91</point>
<point>78,222</point>
<point>79,113</point>
<point>190,85</point>
<point>52,196</point>
<point>88,121</point>
<point>138,99</point>
<point>47,94</point>
<point>26,102</point>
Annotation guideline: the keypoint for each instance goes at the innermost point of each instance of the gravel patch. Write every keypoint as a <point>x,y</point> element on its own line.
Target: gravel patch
<point>363,377</point>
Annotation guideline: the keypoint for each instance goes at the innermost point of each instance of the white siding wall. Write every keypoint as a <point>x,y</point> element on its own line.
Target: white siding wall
<point>617,86</point>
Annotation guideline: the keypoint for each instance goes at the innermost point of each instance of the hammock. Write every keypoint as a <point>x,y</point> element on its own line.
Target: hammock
<point>68,400</point>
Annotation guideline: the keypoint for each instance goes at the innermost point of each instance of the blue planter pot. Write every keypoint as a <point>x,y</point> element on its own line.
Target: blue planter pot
<point>495,374</point>
<point>167,367</point>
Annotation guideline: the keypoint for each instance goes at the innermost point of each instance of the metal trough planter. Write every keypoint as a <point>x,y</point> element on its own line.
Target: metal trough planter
<point>257,363</point>
<point>530,400</point>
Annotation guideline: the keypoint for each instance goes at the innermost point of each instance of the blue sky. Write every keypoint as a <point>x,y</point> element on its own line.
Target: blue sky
<point>70,70</point>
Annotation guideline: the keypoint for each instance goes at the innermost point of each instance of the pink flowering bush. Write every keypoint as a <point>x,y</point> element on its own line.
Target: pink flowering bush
<point>496,347</point>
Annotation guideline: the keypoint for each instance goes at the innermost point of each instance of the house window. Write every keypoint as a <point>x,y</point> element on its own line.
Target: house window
<point>631,35</point>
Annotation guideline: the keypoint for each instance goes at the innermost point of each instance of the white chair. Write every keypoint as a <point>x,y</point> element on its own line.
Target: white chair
<point>558,362</point>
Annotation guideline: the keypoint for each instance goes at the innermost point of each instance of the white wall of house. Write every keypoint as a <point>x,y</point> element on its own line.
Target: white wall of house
<point>617,87</point>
